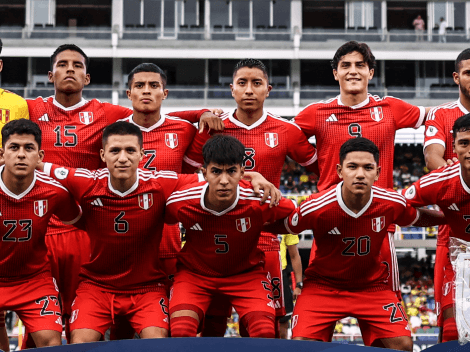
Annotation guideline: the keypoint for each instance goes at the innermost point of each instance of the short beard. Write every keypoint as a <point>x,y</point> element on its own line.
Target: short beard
<point>465,92</point>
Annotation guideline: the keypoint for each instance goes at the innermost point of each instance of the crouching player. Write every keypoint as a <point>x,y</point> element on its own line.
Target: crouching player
<point>346,273</point>
<point>223,219</point>
<point>28,199</point>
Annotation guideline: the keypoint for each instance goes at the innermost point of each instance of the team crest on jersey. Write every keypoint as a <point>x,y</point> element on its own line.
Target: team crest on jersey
<point>271,139</point>
<point>40,207</point>
<point>376,113</point>
<point>145,200</point>
<point>171,140</point>
<point>86,117</point>
<point>5,113</point>
<point>378,223</point>
<point>243,225</point>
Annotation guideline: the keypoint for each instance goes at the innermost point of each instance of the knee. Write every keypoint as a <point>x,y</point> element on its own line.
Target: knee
<point>260,324</point>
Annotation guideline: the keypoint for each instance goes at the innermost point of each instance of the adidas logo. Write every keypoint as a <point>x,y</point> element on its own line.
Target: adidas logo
<point>332,118</point>
<point>196,227</point>
<point>453,206</point>
<point>335,231</point>
<point>97,202</point>
<point>44,118</point>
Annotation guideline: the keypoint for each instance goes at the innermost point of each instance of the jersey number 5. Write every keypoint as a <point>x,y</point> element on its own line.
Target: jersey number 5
<point>218,239</point>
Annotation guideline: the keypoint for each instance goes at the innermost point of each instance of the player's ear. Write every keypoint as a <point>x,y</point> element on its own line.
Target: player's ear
<point>242,172</point>
<point>371,74</point>
<point>231,88</point>
<point>142,153</point>
<point>165,94</point>
<point>456,77</point>
<point>50,76</point>
<point>102,155</point>
<point>87,79</point>
<point>41,156</point>
<point>204,172</point>
<point>269,89</point>
<point>335,75</point>
<point>128,92</point>
<point>1,65</point>
<point>378,173</point>
<point>339,169</point>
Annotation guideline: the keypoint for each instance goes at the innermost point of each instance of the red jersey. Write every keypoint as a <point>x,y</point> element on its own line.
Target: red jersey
<point>346,255</point>
<point>125,229</point>
<point>23,251</point>
<point>267,143</point>
<point>439,125</point>
<point>446,188</point>
<point>221,244</point>
<point>165,144</point>
<point>332,123</point>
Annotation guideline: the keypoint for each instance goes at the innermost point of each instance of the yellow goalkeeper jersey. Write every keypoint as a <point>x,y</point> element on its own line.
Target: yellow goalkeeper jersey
<point>287,240</point>
<point>12,107</point>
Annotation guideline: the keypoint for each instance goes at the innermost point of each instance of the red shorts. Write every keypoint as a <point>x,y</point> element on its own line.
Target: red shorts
<point>442,257</point>
<point>95,309</point>
<point>246,292</point>
<point>448,286</point>
<point>273,266</point>
<point>36,302</point>
<point>168,266</point>
<point>66,253</point>
<point>380,314</point>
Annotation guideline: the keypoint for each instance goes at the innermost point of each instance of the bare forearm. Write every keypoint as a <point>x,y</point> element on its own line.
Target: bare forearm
<point>428,217</point>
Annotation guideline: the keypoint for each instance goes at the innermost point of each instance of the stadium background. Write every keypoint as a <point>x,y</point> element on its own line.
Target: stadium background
<point>197,42</point>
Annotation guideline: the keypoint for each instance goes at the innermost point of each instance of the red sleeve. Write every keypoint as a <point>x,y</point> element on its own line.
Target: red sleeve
<point>306,120</point>
<point>172,181</point>
<point>300,150</point>
<point>171,213</point>
<point>31,105</point>
<point>67,210</point>
<point>405,114</point>
<point>300,220</point>
<point>193,158</point>
<point>408,216</point>
<point>283,210</point>
<point>435,128</point>
<point>77,181</point>
<point>418,196</point>
<point>116,112</point>
<point>192,116</point>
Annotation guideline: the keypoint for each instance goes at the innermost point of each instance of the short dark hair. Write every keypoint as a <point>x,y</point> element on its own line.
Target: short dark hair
<point>359,144</point>
<point>122,128</point>
<point>462,124</point>
<point>21,126</point>
<point>72,47</point>
<point>464,55</point>
<point>223,149</point>
<point>1,46</point>
<point>351,46</point>
<point>250,63</point>
<point>146,67</point>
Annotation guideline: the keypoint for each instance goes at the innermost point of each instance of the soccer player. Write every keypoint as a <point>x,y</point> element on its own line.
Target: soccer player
<point>72,128</point>
<point>346,272</point>
<point>449,188</point>
<point>439,152</point>
<point>28,199</point>
<point>220,259</point>
<point>124,210</point>
<point>356,113</point>
<point>268,139</point>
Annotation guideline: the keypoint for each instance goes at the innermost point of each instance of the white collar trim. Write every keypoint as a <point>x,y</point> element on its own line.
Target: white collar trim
<point>76,106</point>
<point>204,190</point>
<point>10,193</point>
<point>151,128</point>
<point>464,185</point>
<point>357,106</point>
<point>242,125</point>
<point>461,107</point>
<point>343,206</point>
<point>129,191</point>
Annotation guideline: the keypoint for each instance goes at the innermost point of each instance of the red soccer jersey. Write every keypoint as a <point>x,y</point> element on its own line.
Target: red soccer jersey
<point>439,125</point>
<point>346,255</point>
<point>125,229</point>
<point>222,244</point>
<point>23,252</point>
<point>332,123</point>
<point>165,144</point>
<point>267,143</point>
<point>446,188</point>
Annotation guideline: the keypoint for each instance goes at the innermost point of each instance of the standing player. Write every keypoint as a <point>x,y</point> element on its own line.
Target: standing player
<point>439,152</point>
<point>268,139</point>
<point>449,188</point>
<point>123,213</point>
<point>356,113</point>
<point>72,128</point>
<point>12,107</point>
<point>346,275</point>
<point>223,221</point>
<point>28,199</point>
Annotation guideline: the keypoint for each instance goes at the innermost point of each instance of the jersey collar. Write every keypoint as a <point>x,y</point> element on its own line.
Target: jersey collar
<point>11,194</point>
<point>204,190</point>
<point>238,123</point>
<point>343,206</point>
<point>129,191</point>
<point>151,128</point>
<point>70,108</point>
<point>461,107</point>
<point>464,185</point>
<point>357,106</point>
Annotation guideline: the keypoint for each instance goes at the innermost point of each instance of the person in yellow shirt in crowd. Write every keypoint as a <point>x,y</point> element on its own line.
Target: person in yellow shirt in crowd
<point>12,107</point>
<point>289,244</point>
